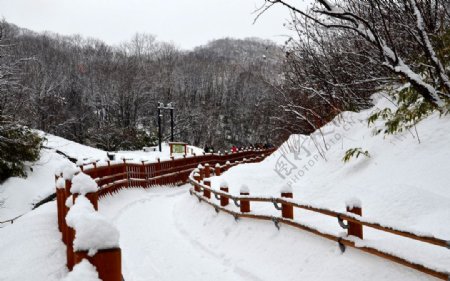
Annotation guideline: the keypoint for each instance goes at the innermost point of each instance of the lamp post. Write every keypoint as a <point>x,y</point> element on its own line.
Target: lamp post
<point>169,107</point>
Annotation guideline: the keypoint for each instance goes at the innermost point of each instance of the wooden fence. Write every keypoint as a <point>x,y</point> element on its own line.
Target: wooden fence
<point>285,204</point>
<point>113,176</point>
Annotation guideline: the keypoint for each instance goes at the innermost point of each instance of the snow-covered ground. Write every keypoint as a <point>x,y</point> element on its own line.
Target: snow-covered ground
<point>165,234</point>
<point>168,235</point>
<point>19,194</point>
<point>32,249</point>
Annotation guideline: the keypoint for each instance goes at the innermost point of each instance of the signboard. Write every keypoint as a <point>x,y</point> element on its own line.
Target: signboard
<point>178,148</point>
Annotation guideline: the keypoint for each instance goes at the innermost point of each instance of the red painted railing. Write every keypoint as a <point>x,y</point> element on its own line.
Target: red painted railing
<point>113,176</point>
<point>220,199</point>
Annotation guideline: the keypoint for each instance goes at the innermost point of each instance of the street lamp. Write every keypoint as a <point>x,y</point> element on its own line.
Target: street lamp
<point>169,107</point>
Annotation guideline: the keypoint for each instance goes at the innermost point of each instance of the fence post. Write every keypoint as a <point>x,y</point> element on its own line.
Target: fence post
<point>207,171</point>
<point>206,192</point>
<point>245,204</point>
<point>217,171</point>
<point>287,211</point>
<point>356,229</point>
<point>68,232</point>
<point>60,201</point>
<point>224,200</point>
<point>108,263</point>
<point>197,179</point>
<point>201,171</point>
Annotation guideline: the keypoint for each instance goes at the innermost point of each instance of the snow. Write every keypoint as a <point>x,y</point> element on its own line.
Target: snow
<point>93,231</point>
<point>83,271</point>
<point>286,189</point>
<point>353,203</point>
<point>154,155</point>
<point>165,234</point>
<point>32,249</point>
<point>404,184</point>
<point>204,245</point>
<point>69,171</point>
<point>244,189</point>
<point>83,184</point>
<point>21,193</point>
<point>223,184</point>
<point>60,183</point>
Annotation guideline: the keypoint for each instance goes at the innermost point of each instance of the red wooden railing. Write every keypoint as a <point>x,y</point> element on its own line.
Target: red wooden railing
<point>112,176</point>
<point>355,222</point>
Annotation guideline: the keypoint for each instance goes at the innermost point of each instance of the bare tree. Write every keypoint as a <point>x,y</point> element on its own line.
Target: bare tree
<point>390,28</point>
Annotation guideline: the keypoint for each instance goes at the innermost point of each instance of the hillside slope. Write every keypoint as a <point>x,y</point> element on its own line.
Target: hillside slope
<point>404,183</point>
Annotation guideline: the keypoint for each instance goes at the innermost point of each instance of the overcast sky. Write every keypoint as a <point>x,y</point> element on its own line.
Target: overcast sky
<point>187,23</point>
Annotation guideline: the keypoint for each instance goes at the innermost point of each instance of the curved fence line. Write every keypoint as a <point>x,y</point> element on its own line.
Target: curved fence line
<point>354,226</point>
<point>109,177</point>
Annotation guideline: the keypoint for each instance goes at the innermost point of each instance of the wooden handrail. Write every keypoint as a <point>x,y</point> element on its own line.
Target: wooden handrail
<point>344,216</point>
<point>341,240</point>
<point>349,217</point>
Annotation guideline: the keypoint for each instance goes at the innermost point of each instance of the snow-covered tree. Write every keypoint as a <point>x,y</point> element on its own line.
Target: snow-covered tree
<point>391,29</point>
<point>18,144</point>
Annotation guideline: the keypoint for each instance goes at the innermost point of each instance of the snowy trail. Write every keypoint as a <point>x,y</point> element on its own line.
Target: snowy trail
<point>155,248</point>
<point>168,235</point>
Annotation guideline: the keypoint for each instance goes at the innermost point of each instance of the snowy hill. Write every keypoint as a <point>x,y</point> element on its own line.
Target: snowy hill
<point>165,234</point>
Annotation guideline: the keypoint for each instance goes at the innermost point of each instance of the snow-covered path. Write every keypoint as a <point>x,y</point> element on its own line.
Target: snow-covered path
<point>168,235</point>
<point>155,248</point>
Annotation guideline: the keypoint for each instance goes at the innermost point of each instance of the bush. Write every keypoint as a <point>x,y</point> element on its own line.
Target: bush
<point>18,145</point>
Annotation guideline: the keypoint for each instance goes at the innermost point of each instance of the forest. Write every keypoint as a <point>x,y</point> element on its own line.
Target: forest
<point>229,91</point>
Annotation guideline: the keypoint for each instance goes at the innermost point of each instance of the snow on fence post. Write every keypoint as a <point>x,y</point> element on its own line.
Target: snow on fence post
<point>244,204</point>
<point>287,211</point>
<point>197,179</point>
<point>68,234</point>
<point>201,171</point>
<point>207,171</point>
<point>60,203</point>
<point>217,170</point>
<point>206,192</point>
<point>83,184</point>
<point>96,239</point>
<point>227,166</point>
<point>354,206</point>
<point>224,201</point>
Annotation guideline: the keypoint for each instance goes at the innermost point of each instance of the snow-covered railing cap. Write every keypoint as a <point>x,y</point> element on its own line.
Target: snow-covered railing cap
<point>244,189</point>
<point>207,180</point>
<point>228,163</point>
<point>83,271</point>
<point>206,165</point>
<point>196,170</point>
<point>60,183</point>
<point>69,201</point>
<point>69,172</point>
<point>92,230</point>
<point>286,188</point>
<point>59,170</point>
<point>200,166</point>
<point>83,184</point>
<point>353,203</point>
<point>223,184</point>
<point>217,165</point>
<point>196,175</point>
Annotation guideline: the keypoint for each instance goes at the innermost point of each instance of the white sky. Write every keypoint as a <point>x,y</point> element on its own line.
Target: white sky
<point>187,23</point>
